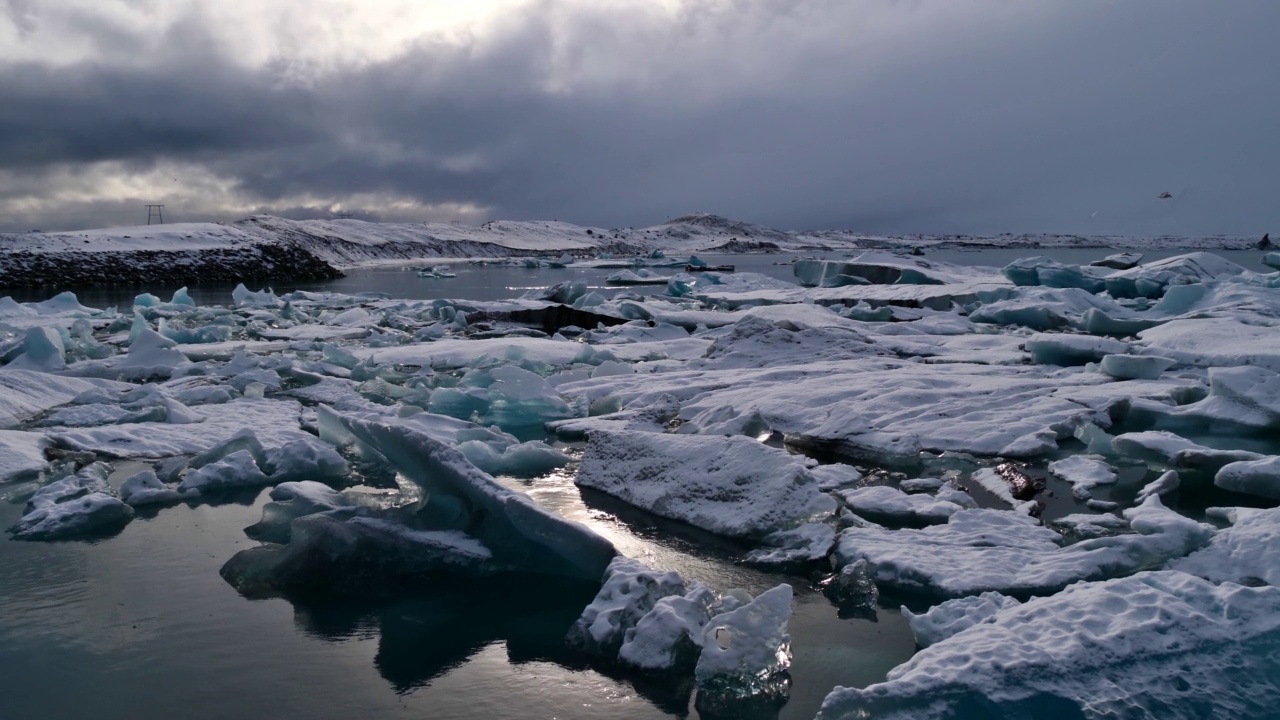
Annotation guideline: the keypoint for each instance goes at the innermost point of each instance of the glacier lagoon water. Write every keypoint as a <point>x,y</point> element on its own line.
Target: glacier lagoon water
<point>141,624</point>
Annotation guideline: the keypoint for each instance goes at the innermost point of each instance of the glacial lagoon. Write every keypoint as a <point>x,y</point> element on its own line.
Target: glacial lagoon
<point>140,622</point>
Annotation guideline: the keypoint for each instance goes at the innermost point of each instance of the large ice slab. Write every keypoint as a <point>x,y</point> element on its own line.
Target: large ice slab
<point>1084,472</point>
<point>1240,398</point>
<point>1214,342</point>
<point>1152,279</point>
<point>1164,448</point>
<point>981,550</point>
<point>881,503</point>
<point>275,422</point>
<point>892,409</point>
<point>1120,648</point>
<point>733,486</point>
<point>26,393</point>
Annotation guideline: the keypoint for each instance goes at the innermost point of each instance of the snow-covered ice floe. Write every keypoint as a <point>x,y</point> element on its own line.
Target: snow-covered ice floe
<point>1008,552</point>
<point>1157,644</point>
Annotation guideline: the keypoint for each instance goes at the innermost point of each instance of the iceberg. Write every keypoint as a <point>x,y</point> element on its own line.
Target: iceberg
<point>667,639</point>
<point>292,500</point>
<point>1153,279</point>
<point>236,470</point>
<point>329,553</point>
<point>1135,367</point>
<point>144,488</point>
<point>808,543</point>
<point>854,590</point>
<point>42,350</point>
<point>1166,449</point>
<point>1041,270</point>
<point>1068,350</point>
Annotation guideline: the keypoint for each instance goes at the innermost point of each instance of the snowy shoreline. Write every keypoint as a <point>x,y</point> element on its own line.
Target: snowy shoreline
<point>264,248</point>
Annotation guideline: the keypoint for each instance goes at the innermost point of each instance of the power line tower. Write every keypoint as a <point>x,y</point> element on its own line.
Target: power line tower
<point>157,212</point>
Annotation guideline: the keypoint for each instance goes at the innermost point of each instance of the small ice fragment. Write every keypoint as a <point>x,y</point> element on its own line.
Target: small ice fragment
<point>746,653</point>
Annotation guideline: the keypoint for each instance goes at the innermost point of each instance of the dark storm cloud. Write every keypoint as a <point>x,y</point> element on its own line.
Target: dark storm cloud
<point>1059,117</point>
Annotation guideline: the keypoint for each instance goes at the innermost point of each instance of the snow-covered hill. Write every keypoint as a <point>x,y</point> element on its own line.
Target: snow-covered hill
<point>271,248</point>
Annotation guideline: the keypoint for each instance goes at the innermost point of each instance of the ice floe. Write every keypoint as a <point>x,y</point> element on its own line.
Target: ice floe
<point>733,485</point>
<point>1007,552</point>
<point>1102,649</point>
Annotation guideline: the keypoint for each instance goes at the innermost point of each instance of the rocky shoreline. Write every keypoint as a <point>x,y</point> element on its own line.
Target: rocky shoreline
<point>265,261</point>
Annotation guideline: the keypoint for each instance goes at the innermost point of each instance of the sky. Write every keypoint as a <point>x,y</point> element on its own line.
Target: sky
<point>879,116</point>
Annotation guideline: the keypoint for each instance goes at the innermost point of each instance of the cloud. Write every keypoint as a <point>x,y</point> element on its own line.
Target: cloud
<point>909,116</point>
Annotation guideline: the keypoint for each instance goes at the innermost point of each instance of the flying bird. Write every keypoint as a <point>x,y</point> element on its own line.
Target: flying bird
<point>1165,195</point>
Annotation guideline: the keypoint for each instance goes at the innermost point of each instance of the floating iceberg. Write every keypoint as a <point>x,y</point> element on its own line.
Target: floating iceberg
<point>1084,473</point>
<point>667,639</point>
<point>459,496</point>
<point>78,505</point>
<point>144,488</point>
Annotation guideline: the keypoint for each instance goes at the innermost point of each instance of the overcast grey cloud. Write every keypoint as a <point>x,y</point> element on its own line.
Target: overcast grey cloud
<point>910,116</point>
